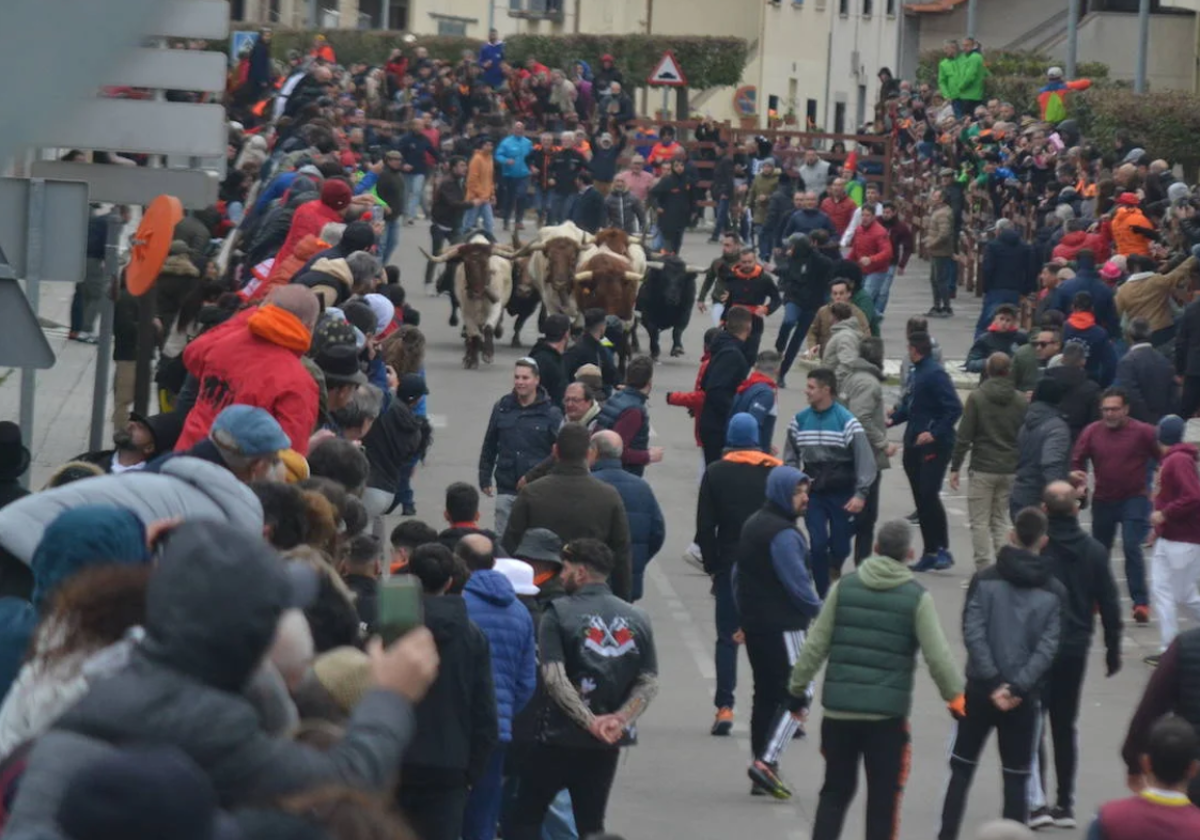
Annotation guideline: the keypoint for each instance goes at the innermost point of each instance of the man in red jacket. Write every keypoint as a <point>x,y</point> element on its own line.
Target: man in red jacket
<point>254,359</point>
<point>838,206</point>
<point>1175,566</point>
<point>311,216</point>
<point>871,249</point>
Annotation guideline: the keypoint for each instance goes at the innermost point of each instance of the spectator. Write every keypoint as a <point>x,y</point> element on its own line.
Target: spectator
<point>1175,571</point>
<point>647,529</point>
<point>626,414</point>
<point>726,370</point>
<point>1145,375</point>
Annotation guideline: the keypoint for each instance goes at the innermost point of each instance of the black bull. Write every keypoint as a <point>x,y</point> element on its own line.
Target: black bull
<point>665,301</point>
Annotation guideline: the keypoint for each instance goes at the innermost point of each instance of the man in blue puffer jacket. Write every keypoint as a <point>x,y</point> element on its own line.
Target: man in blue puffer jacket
<point>647,528</point>
<point>493,606</point>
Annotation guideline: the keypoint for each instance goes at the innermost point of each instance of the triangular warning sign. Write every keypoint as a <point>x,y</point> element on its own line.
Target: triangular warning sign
<point>667,73</point>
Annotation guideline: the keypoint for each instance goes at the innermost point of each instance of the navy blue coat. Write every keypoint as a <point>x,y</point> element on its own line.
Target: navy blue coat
<point>492,604</point>
<point>1101,364</point>
<point>930,404</point>
<point>1103,302</point>
<point>647,528</point>
<point>517,440</point>
<point>1149,379</point>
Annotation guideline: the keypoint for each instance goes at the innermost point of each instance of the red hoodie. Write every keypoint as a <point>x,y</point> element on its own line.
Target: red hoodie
<point>875,244</point>
<point>1179,495</point>
<point>693,401</point>
<point>1071,244</point>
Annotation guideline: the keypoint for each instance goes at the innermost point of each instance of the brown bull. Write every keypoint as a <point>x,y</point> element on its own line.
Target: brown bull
<point>607,283</point>
<point>615,240</point>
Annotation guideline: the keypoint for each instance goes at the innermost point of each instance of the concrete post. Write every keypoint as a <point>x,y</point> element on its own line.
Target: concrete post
<point>1072,37</point>
<point>347,14</point>
<point>1139,80</point>
<point>972,9</point>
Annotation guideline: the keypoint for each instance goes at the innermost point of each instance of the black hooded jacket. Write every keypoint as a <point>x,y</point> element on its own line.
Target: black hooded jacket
<point>1081,564</point>
<point>211,612</point>
<point>805,280</point>
<point>727,368</point>
<point>456,722</point>
<point>395,439</point>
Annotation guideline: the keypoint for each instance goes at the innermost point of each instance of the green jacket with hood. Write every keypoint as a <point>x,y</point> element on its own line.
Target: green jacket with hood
<point>971,74</point>
<point>990,424</point>
<point>870,628</point>
<point>762,187</point>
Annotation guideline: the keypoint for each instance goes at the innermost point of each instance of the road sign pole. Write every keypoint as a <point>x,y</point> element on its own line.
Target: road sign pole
<point>143,386</point>
<point>33,280</point>
<point>112,270</point>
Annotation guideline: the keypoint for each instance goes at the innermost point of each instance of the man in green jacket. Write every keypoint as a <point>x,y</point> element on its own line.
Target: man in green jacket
<point>948,72</point>
<point>991,421</point>
<point>872,624</point>
<point>970,76</point>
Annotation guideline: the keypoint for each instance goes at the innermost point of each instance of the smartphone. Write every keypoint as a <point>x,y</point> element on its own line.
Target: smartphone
<point>401,607</point>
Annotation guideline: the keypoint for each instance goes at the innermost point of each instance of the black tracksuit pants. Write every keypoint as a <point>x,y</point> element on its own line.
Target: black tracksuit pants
<point>434,811</point>
<point>772,654</point>
<point>587,773</point>
<point>1060,703</point>
<point>1015,731</point>
<point>885,747</point>
<point>925,467</point>
<point>864,523</point>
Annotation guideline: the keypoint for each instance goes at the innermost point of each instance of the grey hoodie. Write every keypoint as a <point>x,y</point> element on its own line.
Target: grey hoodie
<point>861,391</point>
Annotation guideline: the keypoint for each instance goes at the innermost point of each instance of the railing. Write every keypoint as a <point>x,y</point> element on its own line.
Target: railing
<point>817,139</point>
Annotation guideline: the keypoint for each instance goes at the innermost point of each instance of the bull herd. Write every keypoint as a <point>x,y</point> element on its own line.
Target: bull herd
<point>567,271</point>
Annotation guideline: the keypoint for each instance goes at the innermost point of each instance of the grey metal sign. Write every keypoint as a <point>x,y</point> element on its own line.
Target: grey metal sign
<point>190,19</point>
<point>62,222</point>
<point>127,125</point>
<point>170,69</point>
<point>135,184</point>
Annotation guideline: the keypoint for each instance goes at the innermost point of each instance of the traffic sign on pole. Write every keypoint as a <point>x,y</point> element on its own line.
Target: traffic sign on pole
<point>667,73</point>
<point>61,226</point>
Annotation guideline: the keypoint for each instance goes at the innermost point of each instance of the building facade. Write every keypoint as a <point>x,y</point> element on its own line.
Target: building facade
<point>865,36</point>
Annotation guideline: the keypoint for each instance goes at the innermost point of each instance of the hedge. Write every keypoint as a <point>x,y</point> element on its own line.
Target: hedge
<point>1001,64</point>
<point>707,62</point>
<point>1165,123</point>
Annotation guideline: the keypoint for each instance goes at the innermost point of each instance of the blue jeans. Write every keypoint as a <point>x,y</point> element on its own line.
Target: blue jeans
<point>829,532</point>
<point>516,196</point>
<point>541,201</point>
<point>878,286</point>
<point>728,621</point>
<point>1134,518</point>
<point>721,218</point>
<point>766,241</point>
<point>391,238</point>
<point>414,188</point>
<point>796,322</point>
<point>404,491</point>
<point>483,803</point>
<point>554,211</point>
<point>991,301</point>
<point>483,214</point>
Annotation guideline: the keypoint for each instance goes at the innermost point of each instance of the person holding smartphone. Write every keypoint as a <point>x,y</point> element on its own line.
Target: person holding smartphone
<point>601,672</point>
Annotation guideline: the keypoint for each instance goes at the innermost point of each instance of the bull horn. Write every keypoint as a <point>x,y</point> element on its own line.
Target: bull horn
<point>588,239</point>
<point>655,265</point>
<point>694,269</point>
<point>527,249</point>
<point>632,275</point>
<point>446,256</point>
<point>502,250</point>
<point>583,276</point>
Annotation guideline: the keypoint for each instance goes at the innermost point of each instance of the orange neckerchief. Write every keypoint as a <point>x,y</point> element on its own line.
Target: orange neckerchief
<point>752,457</point>
<point>755,272</point>
<point>278,326</point>
<point>1082,320</point>
<point>544,577</point>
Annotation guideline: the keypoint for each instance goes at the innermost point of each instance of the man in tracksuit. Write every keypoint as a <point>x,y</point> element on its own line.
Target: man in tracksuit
<point>776,599</point>
<point>1011,627</point>
<point>931,408</point>
<point>731,490</point>
<point>831,446</point>
<point>1080,562</point>
<point>870,629</point>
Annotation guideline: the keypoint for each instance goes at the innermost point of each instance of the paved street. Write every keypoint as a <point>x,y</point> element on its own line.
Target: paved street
<point>682,783</point>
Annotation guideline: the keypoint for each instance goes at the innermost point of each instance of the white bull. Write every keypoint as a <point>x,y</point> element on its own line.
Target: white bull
<point>482,286</point>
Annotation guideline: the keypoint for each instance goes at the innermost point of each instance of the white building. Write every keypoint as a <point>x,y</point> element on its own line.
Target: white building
<point>864,37</point>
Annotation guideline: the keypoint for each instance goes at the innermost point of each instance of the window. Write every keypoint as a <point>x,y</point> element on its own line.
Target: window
<point>843,7</point>
<point>839,118</point>
<point>891,8</point>
<point>397,15</point>
<point>810,115</point>
<point>451,27</point>
<point>868,7</point>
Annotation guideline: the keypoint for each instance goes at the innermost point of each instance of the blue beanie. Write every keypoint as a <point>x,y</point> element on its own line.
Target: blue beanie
<point>1170,430</point>
<point>91,535</point>
<point>743,432</point>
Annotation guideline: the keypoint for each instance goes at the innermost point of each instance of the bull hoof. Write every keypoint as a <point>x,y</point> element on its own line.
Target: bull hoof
<point>676,351</point>
<point>454,319</point>
<point>516,341</point>
<point>499,331</point>
<point>489,345</point>
<point>654,354</point>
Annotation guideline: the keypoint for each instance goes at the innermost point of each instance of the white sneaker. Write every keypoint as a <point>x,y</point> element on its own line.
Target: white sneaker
<point>692,557</point>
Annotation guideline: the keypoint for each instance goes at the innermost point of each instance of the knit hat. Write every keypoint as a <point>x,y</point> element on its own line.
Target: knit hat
<point>1170,430</point>
<point>82,537</point>
<point>1128,199</point>
<point>331,330</point>
<point>1110,270</point>
<point>384,309</point>
<point>1055,73</point>
<point>1134,155</point>
<point>361,315</point>
<point>345,673</point>
<point>178,246</point>
<point>14,455</point>
<point>295,464</point>
<point>743,432</point>
<point>1178,191</point>
<point>335,193</point>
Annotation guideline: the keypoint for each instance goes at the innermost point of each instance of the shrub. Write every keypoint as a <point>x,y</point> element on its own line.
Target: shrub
<point>706,61</point>
<point>1166,123</point>
<point>1002,64</point>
